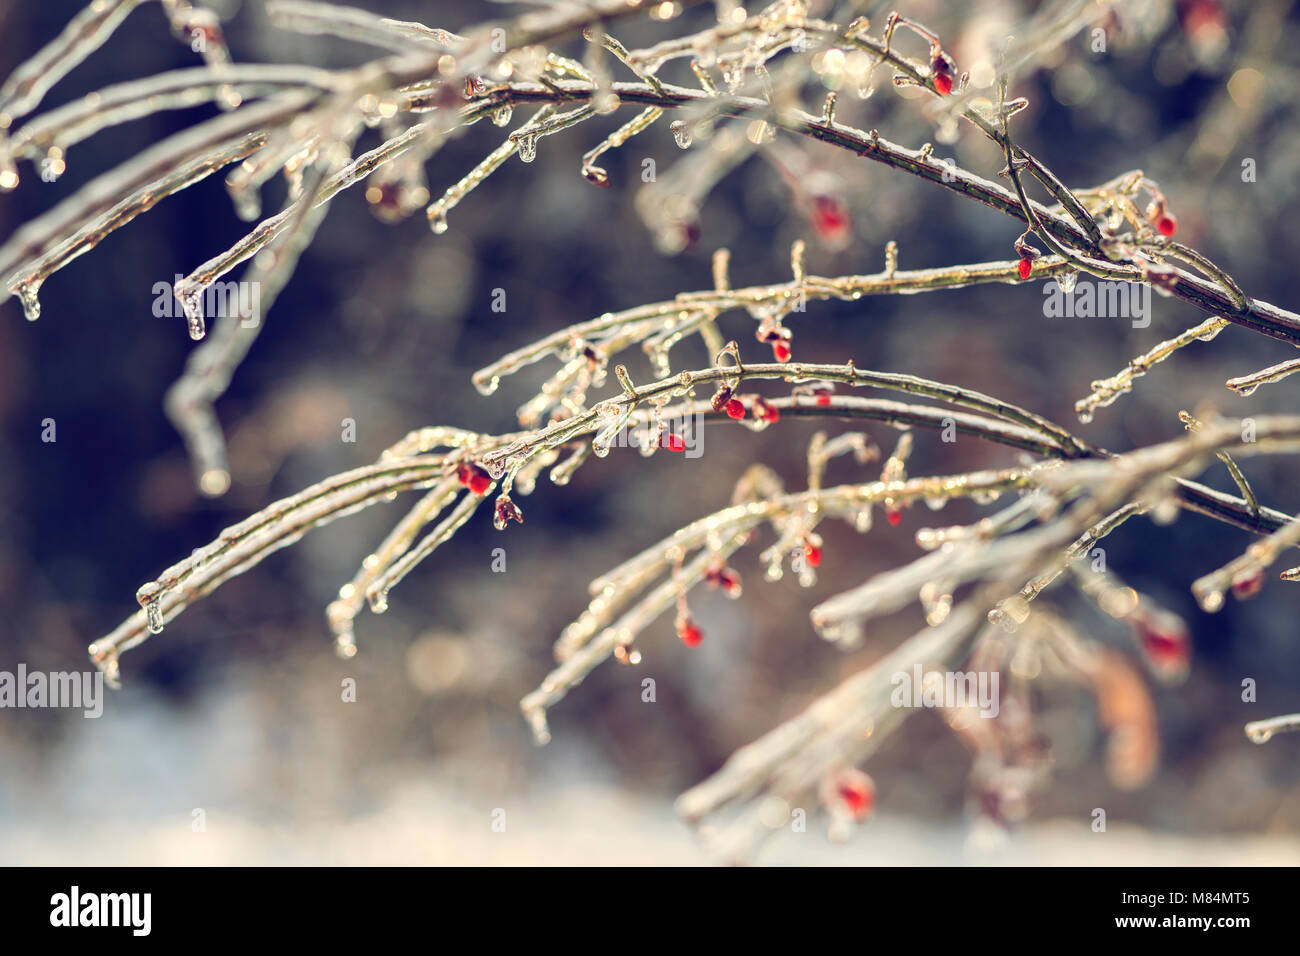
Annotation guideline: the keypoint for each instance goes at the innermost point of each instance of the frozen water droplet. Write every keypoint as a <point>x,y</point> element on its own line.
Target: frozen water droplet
<point>486,384</point>
<point>681,133</point>
<point>154,616</point>
<point>501,115</point>
<point>214,482</point>
<point>1210,601</point>
<point>844,633</point>
<point>1002,619</point>
<point>1246,390</point>
<point>31,305</point>
<point>527,146</point>
<point>536,717</point>
<point>378,601</point>
<point>862,520</point>
<point>1258,734</point>
<point>193,308</point>
<point>659,359</point>
<point>1066,281</point>
<point>8,171</point>
<point>248,204</point>
<point>438,223</point>
<point>1085,416</point>
<point>927,539</point>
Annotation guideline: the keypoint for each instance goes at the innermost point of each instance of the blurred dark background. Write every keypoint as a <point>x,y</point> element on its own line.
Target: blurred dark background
<point>235,707</point>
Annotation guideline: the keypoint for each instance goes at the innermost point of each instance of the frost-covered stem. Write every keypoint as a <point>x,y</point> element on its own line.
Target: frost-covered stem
<point>1246,569</point>
<point>113,199</point>
<point>244,545</point>
<point>1069,445</point>
<point>269,229</point>
<point>1105,391</point>
<point>582,660</point>
<point>1262,731</point>
<point>1245,384</point>
<point>1080,547</point>
<point>1193,496</point>
<point>362,26</point>
<point>919,77</point>
<point>1208,296</point>
<point>177,89</point>
<point>341,612</point>
<point>840,728</point>
<point>210,367</point>
<point>1188,254</point>
<point>85,33</point>
<point>733,526</point>
<point>811,288</point>
<point>1238,477</point>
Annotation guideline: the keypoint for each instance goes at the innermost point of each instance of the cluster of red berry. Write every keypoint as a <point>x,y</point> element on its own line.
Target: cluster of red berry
<point>473,477</point>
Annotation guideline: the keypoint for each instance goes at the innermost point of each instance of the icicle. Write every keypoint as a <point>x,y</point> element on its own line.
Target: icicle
<point>527,147</point>
<point>486,384</point>
<point>8,171</point>
<point>26,292</point>
<point>154,614</point>
<point>437,211</point>
<point>1010,614</point>
<point>1210,600</point>
<point>502,115</point>
<point>192,306</point>
<point>149,598</point>
<point>536,717</point>
<point>1258,733</point>
<point>862,520</point>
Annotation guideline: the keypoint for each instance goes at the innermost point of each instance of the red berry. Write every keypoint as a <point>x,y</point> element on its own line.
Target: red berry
<point>770,413</point>
<point>856,793</point>
<point>474,478</point>
<point>209,33</point>
<point>942,69</point>
<point>781,350</point>
<point>894,515</point>
<point>1164,645</point>
<point>1167,224</point>
<point>812,554</point>
<point>507,511</point>
<point>735,408</point>
<point>672,442</point>
<point>1247,584</point>
<point>830,218</point>
<point>689,633</point>
<point>823,398</point>
<point>1026,266</point>
<point>722,577</point>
